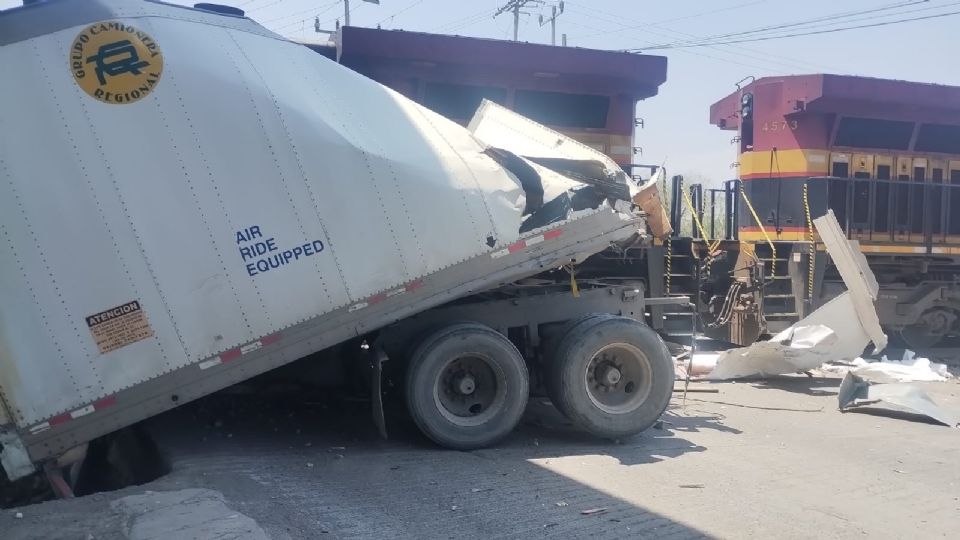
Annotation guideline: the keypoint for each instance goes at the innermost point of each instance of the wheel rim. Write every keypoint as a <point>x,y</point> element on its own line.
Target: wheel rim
<point>932,326</point>
<point>470,389</point>
<point>618,378</point>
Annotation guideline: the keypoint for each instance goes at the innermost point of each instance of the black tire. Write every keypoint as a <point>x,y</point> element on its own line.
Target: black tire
<point>552,347</point>
<point>624,349</point>
<point>442,362</point>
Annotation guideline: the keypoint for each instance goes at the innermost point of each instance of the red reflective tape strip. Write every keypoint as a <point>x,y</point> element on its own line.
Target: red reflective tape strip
<point>60,419</point>
<point>414,285</point>
<point>377,298</point>
<point>105,402</point>
<point>230,355</point>
<point>273,338</point>
<point>515,247</point>
<point>550,235</point>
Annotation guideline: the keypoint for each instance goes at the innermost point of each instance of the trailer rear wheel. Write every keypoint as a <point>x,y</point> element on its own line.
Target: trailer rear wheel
<point>553,345</point>
<point>466,386</point>
<point>612,376</point>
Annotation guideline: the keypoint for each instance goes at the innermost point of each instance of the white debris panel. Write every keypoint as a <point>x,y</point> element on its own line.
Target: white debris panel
<point>839,330</point>
<point>909,369</point>
<point>856,391</point>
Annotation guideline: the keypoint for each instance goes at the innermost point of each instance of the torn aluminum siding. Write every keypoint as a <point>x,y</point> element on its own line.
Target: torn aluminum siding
<point>856,391</point>
<point>571,176</point>
<point>839,330</point>
<point>241,197</point>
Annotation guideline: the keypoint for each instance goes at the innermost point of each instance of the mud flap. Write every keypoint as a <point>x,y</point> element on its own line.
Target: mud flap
<point>376,391</point>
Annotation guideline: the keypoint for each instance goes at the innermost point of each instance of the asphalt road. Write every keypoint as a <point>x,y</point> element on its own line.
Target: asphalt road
<point>765,459</point>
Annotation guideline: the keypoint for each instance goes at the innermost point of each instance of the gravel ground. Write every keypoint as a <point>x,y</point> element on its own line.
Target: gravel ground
<point>763,459</point>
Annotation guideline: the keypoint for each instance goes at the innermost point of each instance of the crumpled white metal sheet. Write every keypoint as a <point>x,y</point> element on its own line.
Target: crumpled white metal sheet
<point>498,126</point>
<point>837,331</point>
<point>856,391</point>
<point>248,147</point>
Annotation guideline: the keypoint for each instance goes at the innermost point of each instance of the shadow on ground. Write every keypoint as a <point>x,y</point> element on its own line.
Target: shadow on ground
<point>811,386</point>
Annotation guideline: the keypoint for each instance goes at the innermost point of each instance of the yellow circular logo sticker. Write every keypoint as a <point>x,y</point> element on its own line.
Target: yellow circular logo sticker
<point>116,63</point>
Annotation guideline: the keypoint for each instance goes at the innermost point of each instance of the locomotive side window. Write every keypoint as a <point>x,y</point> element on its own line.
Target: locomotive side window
<point>938,138</point>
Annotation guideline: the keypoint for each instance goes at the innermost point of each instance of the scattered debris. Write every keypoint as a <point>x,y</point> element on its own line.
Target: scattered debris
<point>18,515</point>
<point>562,503</point>
<point>454,508</point>
<point>480,490</point>
<point>908,369</point>
<point>702,364</point>
<point>594,511</point>
<point>700,390</point>
<point>798,348</point>
<point>839,330</point>
<point>692,486</point>
<point>856,391</point>
<point>309,465</point>
<point>335,448</point>
<point>647,198</point>
<point>916,370</point>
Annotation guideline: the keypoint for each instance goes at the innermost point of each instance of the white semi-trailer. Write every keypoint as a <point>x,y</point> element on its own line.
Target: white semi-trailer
<point>188,200</point>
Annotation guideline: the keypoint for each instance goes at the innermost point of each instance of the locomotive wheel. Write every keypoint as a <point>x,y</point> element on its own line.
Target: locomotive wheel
<point>612,376</point>
<point>929,330</point>
<point>467,386</point>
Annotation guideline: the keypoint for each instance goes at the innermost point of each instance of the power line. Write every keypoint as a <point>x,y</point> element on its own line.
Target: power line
<point>463,22</point>
<point>700,54</point>
<point>777,60</point>
<point>646,25</point>
<point>316,11</point>
<point>404,10</point>
<point>258,8</point>
<point>782,26</point>
<point>811,27</point>
<point>813,33</point>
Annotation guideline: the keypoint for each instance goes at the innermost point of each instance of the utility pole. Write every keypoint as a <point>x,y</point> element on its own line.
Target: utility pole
<point>515,6</point>
<point>553,23</point>
<point>346,10</point>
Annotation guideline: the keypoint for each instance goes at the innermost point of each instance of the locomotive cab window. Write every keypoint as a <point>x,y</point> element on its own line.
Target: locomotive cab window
<point>460,101</point>
<point>563,110</point>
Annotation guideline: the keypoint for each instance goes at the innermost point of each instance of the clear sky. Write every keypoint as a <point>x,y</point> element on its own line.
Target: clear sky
<point>677,128</point>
